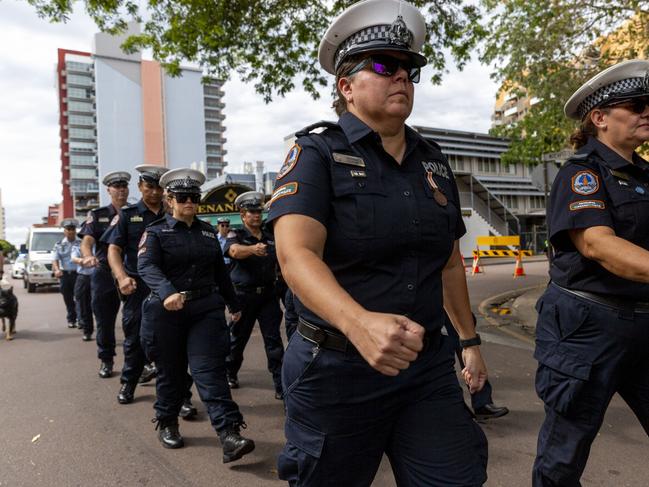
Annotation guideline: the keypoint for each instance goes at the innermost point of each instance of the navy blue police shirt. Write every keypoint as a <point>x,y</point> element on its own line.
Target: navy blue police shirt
<point>173,257</point>
<point>126,230</point>
<point>388,239</point>
<point>598,187</point>
<point>96,224</point>
<point>253,271</point>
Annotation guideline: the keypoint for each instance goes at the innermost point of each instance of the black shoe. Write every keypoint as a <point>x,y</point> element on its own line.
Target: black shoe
<point>187,410</point>
<point>490,411</point>
<point>87,337</point>
<point>126,391</point>
<point>168,433</point>
<point>72,325</point>
<point>148,374</point>
<point>233,381</point>
<point>234,445</point>
<point>278,395</point>
<point>106,370</point>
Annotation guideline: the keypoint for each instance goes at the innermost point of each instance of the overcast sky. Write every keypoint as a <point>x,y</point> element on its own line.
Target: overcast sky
<point>30,177</point>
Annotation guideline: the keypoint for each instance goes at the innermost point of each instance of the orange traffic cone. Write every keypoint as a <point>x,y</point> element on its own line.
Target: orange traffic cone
<point>475,268</point>
<point>518,270</point>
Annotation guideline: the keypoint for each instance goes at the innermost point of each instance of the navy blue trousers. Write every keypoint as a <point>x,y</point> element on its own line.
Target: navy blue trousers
<point>83,300</point>
<point>66,285</point>
<point>196,336</point>
<point>586,353</point>
<point>265,308</point>
<point>290,315</point>
<point>134,358</point>
<point>105,306</point>
<point>342,416</point>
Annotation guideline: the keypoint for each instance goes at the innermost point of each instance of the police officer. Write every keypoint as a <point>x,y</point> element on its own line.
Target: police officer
<point>367,219</point>
<point>592,332</point>
<point>65,269</point>
<point>105,300</point>
<point>252,249</point>
<point>223,227</point>
<point>123,238</point>
<point>181,262</point>
<point>82,295</point>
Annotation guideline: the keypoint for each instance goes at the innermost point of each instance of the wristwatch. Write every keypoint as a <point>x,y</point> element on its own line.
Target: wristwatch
<point>471,342</point>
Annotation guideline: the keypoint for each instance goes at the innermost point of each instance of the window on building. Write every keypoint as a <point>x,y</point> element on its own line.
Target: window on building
<point>76,66</point>
<point>510,201</point>
<point>83,93</point>
<point>80,120</point>
<point>77,133</point>
<point>76,173</point>
<point>82,146</point>
<point>213,126</point>
<point>80,106</point>
<point>537,202</point>
<point>82,160</point>
<point>77,79</point>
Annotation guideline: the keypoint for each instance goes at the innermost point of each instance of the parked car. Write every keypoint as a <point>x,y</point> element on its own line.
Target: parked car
<point>18,267</point>
<point>40,246</point>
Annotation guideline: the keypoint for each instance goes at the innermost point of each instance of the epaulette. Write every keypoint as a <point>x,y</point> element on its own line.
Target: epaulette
<point>100,210</point>
<point>310,128</point>
<point>432,143</point>
<point>577,158</point>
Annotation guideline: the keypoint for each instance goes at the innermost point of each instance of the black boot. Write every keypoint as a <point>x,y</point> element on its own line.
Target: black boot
<point>126,391</point>
<point>148,374</point>
<point>234,445</point>
<point>106,369</point>
<point>168,433</point>
<point>490,411</point>
<point>187,410</point>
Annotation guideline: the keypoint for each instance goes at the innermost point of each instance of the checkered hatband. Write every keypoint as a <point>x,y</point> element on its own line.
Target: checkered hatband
<point>618,89</point>
<point>395,34</point>
<point>185,185</point>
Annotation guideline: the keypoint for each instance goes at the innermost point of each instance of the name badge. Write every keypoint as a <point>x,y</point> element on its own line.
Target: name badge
<point>349,160</point>
<point>358,174</point>
<point>136,219</point>
<point>103,220</point>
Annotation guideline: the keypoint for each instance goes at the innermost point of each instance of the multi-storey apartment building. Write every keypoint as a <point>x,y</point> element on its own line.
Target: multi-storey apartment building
<point>117,110</point>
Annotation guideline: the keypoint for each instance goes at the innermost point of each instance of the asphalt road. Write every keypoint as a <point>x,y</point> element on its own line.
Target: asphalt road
<point>60,425</point>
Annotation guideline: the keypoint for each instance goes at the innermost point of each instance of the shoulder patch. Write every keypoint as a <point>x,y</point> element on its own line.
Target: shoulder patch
<point>587,204</point>
<point>288,189</point>
<point>585,183</point>
<point>142,239</point>
<point>114,220</point>
<point>290,161</point>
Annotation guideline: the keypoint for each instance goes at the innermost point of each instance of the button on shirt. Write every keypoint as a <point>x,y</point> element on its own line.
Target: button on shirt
<point>62,251</point>
<point>126,232</point>
<point>598,187</point>
<point>95,225</point>
<point>174,257</point>
<point>255,270</point>
<point>387,238</point>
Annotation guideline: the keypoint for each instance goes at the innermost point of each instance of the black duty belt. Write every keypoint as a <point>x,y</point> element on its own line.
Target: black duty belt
<point>252,289</point>
<point>614,302</point>
<point>199,293</point>
<point>333,340</point>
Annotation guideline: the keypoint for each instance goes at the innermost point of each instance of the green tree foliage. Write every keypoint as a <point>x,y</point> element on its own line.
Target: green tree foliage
<point>548,49</point>
<point>6,248</point>
<point>272,43</point>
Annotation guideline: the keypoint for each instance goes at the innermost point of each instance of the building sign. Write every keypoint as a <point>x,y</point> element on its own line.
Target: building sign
<point>221,199</point>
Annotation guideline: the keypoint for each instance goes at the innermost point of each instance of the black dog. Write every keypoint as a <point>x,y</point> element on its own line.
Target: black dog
<point>8,310</point>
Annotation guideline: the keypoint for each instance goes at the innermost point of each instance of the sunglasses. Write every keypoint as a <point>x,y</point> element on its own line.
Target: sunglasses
<point>183,197</point>
<point>635,105</point>
<point>387,65</point>
<point>224,224</point>
<point>120,185</point>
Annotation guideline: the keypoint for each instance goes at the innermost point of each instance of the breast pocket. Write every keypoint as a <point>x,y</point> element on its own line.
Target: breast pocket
<point>630,210</point>
<point>357,205</point>
<point>438,221</point>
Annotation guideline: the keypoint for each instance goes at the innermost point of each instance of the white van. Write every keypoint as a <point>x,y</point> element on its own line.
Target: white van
<point>38,266</point>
